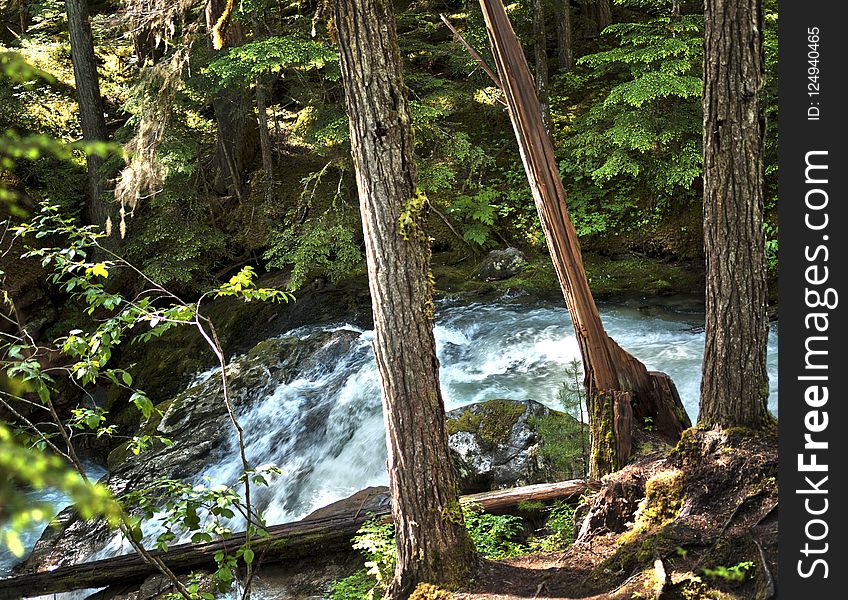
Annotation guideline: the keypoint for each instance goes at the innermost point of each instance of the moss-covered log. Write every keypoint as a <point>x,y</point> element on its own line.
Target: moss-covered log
<point>311,536</point>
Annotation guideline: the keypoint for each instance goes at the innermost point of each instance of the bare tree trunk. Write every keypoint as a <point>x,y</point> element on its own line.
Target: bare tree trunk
<point>92,119</point>
<point>565,41</point>
<point>617,384</point>
<point>432,543</point>
<point>734,389</point>
<point>236,145</point>
<point>540,54</point>
<point>22,16</point>
<point>597,14</point>
<point>264,134</point>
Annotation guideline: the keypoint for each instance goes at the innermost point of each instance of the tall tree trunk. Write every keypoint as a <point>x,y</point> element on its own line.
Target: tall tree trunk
<point>540,53</point>
<point>597,14</point>
<point>22,16</point>
<point>92,119</point>
<point>264,133</point>
<point>433,545</point>
<point>565,41</point>
<point>734,389</point>
<point>620,392</point>
<point>237,128</point>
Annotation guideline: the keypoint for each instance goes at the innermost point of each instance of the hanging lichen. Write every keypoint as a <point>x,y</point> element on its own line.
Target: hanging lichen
<point>144,175</point>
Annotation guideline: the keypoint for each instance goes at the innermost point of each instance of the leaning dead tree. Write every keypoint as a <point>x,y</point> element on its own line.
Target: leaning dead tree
<point>621,393</point>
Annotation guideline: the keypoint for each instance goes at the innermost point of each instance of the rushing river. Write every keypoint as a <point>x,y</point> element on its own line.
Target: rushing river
<point>514,348</point>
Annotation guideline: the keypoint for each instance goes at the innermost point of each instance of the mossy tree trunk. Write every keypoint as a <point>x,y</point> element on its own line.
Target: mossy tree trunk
<point>236,124</point>
<point>610,372</point>
<point>734,389</point>
<point>432,543</point>
<point>92,118</point>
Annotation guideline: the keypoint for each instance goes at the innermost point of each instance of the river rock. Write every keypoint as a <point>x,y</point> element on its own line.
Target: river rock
<point>497,444</point>
<point>501,264</point>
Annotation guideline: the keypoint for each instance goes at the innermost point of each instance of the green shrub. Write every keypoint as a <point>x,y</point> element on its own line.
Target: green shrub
<point>355,587</point>
<point>565,437</point>
<point>559,527</point>
<point>494,536</point>
<point>377,541</point>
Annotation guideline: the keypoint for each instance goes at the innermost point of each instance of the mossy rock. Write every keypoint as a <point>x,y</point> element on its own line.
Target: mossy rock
<point>499,444</point>
<point>492,421</point>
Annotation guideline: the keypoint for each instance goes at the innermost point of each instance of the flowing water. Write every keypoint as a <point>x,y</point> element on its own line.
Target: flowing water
<point>53,499</point>
<point>325,428</point>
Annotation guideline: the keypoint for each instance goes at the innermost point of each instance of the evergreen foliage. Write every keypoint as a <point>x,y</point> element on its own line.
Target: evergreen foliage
<point>635,153</point>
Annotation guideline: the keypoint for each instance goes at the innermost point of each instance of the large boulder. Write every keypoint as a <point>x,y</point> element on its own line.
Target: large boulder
<point>501,264</point>
<point>498,444</point>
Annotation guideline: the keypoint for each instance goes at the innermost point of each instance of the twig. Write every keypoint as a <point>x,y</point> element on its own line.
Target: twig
<point>473,52</point>
<point>446,222</point>
<point>770,586</point>
<point>661,577</point>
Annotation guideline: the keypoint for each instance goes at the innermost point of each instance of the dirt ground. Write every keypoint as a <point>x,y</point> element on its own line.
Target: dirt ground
<point>698,522</point>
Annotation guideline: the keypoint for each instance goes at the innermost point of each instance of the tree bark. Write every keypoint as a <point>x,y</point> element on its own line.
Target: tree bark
<point>565,41</point>
<point>92,119</point>
<point>237,128</point>
<point>264,133</point>
<point>540,54</point>
<point>433,545</point>
<point>22,16</point>
<point>608,368</point>
<point>597,14</point>
<point>734,389</point>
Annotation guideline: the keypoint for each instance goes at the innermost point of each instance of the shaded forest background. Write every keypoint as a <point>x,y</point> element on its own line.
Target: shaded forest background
<point>625,116</point>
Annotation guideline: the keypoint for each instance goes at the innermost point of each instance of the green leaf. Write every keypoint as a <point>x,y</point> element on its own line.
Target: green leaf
<point>136,533</point>
<point>248,556</point>
<point>98,270</point>
<point>127,378</point>
<point>142,403</point>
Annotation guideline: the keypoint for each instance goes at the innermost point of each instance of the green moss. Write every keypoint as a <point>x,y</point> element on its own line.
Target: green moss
<point>452,513</point>
<point>604,457</point>
<point>609,276</point>
<point>493,423</point>
<point>663,498</point>
<point>428,591</point>
<point>354,587</point>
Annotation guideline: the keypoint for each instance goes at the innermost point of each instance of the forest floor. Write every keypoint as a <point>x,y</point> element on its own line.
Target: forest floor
<point>698,522</point>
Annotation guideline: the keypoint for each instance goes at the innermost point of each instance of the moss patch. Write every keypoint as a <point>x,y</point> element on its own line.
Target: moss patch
<point>492,421</point>
<point>618,275</point>
<point>428,591</point>
<point>663,498</point>
<point>608,276</point>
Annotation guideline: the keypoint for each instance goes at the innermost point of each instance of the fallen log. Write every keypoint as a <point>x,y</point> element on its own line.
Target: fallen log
<point>315,535</point>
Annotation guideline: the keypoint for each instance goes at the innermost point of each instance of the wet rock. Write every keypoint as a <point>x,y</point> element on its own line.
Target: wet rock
<point>496,444</point>
<point>369,500</point>
<point>501,264</point>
